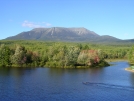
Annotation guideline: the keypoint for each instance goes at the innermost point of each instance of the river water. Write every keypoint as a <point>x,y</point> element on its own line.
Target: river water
<point>111,83</point>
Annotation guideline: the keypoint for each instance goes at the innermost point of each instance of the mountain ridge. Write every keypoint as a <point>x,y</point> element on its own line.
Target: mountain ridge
<point>62,34</point>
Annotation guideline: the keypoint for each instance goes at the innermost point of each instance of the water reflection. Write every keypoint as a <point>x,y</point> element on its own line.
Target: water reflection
<point>132,78</point>
<point>96,71</point>
<point>96,74</point>
<point>4,71</point>
<point>56,71</point>
<point>16,72</point>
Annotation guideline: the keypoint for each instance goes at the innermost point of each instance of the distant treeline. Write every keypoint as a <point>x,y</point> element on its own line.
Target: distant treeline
<point>60,54</point>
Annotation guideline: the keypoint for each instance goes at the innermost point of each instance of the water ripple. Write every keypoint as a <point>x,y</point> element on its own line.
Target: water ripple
<point>112,86</point>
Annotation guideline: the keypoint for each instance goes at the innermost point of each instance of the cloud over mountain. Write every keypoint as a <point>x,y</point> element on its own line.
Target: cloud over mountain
<point>35,25</point>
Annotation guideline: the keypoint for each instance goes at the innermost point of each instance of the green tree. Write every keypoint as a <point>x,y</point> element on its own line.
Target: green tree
<point>73,53</point>
<point>82,58</point>
<point>131,55</point>
<point>4,56</point>
<point>19,57</point>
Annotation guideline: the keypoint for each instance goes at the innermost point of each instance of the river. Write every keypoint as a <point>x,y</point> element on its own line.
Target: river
<point>111,83</point>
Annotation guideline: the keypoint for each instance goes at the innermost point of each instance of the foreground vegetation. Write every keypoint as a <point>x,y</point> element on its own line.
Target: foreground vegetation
<point>60,54</point>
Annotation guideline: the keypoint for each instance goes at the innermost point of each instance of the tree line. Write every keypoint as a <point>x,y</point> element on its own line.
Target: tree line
<point>61,56</point>
<point>58,54</point>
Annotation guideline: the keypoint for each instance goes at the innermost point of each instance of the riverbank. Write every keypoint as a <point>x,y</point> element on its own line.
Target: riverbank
<point>129,69</point>
<point>115,60</point>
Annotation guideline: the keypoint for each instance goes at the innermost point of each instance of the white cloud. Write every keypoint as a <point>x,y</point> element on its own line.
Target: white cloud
<point>48,24</point>
<point>126,34</point>
<point>35,25</point>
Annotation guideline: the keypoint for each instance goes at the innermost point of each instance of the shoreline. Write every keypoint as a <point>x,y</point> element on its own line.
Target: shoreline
<point>128,69</point>
<point>115,60</point>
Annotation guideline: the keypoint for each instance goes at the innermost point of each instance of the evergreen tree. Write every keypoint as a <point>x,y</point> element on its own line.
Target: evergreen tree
<point>4,55</point>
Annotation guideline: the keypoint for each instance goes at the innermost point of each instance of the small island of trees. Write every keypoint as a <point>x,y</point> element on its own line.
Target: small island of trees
<point>62,56</point>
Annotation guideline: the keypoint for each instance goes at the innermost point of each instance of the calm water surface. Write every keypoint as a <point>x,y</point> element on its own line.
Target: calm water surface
<point>111,83</point>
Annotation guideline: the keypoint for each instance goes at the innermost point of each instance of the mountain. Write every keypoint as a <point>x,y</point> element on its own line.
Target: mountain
<point>62,34</point>
<point>129,40</point>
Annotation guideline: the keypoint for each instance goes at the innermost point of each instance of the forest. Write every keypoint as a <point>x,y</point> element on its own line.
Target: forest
<point>22,53</point>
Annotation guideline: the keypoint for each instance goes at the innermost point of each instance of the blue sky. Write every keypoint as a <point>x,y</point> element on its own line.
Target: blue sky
<point>105,17</point>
